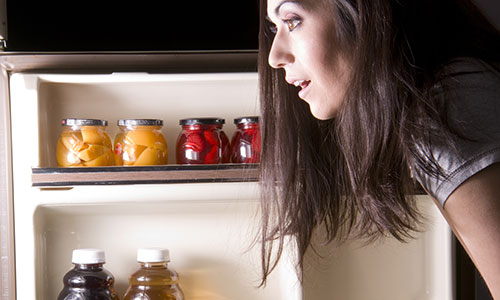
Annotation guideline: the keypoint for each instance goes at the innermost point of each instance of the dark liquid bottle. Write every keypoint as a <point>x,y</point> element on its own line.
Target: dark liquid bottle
<point>88,280</point>
<point>154,280</point>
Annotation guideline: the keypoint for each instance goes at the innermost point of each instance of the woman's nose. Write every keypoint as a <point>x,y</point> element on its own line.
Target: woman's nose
<point>280,54</point>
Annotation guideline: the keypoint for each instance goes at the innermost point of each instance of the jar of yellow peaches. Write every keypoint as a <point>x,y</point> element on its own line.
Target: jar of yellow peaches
<point>140,143</point>
<point>84,143</point>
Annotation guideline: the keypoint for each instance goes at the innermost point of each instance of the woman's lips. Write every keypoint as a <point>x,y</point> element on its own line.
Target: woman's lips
<point>303,84</point>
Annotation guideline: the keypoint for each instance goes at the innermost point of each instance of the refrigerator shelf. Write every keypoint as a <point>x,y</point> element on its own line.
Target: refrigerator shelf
<point>58,177</point>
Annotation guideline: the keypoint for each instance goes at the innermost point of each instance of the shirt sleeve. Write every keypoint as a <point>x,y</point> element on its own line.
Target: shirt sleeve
<point>473,113</point>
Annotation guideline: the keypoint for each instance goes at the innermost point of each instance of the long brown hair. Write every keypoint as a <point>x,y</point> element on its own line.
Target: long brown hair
<point>351,174</point>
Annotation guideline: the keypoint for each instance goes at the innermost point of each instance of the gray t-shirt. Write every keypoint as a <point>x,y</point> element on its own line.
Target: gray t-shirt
<point>473,111</point>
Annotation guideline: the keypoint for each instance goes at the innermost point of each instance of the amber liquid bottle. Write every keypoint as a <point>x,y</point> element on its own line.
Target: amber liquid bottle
<point>154,280</point>
<point>88,279</point>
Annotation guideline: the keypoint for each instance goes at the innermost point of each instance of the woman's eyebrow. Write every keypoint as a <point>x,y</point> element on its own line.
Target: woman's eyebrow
<point>277,9</point>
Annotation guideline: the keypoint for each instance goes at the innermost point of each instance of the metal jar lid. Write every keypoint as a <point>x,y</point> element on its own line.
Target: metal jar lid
<point>202,121</point>
<point>250,119</point>
<point>83,122</point>
<point>140,122</point>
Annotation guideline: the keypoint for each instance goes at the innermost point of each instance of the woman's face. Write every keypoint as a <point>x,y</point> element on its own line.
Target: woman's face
<point>305,47</point>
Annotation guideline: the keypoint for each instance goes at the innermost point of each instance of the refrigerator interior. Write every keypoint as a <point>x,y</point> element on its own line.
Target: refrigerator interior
<point>208,227</point>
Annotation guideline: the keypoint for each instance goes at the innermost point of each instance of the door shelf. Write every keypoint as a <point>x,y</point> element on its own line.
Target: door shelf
<point>60,177</point>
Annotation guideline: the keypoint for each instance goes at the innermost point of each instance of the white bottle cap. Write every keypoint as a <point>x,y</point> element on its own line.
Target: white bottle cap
<point>88,256</point>
<point>153,255</point>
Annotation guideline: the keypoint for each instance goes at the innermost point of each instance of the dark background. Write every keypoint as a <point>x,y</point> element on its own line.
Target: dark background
<point>491,9</point>
<point>110,25</point>
<point>147,25</point>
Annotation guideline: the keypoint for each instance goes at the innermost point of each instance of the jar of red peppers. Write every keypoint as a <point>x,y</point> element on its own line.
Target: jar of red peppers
<point>245,144</point>
<point>202,141</point>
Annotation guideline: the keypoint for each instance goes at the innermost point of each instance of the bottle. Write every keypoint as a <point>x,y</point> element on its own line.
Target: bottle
<point>88,279</point>
<point>154,280</point>
<point>140,143</point>
<point>202,141</point>
<point>246,143</point>
<point>84,143</point>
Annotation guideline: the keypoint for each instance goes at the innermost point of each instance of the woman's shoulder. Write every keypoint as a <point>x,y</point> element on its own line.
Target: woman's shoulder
<point>469,67</point>
<point>465,80</point>
<point>470,88</point>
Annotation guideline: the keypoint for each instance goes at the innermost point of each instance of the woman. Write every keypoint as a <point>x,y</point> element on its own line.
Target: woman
<point>362,99</point>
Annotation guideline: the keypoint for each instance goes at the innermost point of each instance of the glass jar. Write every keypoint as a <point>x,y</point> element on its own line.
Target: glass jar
<point>202,141</point>
<point>140,142</point>
<point>226,146</point>
<point>84,143</point>
<point>246,143</point>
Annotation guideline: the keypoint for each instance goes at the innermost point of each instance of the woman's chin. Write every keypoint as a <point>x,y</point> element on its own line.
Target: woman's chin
<point>321,113</point>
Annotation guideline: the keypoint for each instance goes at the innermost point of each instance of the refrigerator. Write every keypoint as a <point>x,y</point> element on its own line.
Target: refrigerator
<point>206,215</point>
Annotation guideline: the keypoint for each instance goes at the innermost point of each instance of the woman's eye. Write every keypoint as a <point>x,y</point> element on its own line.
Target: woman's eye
<point>272,28</point>
<point>292,23</point>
